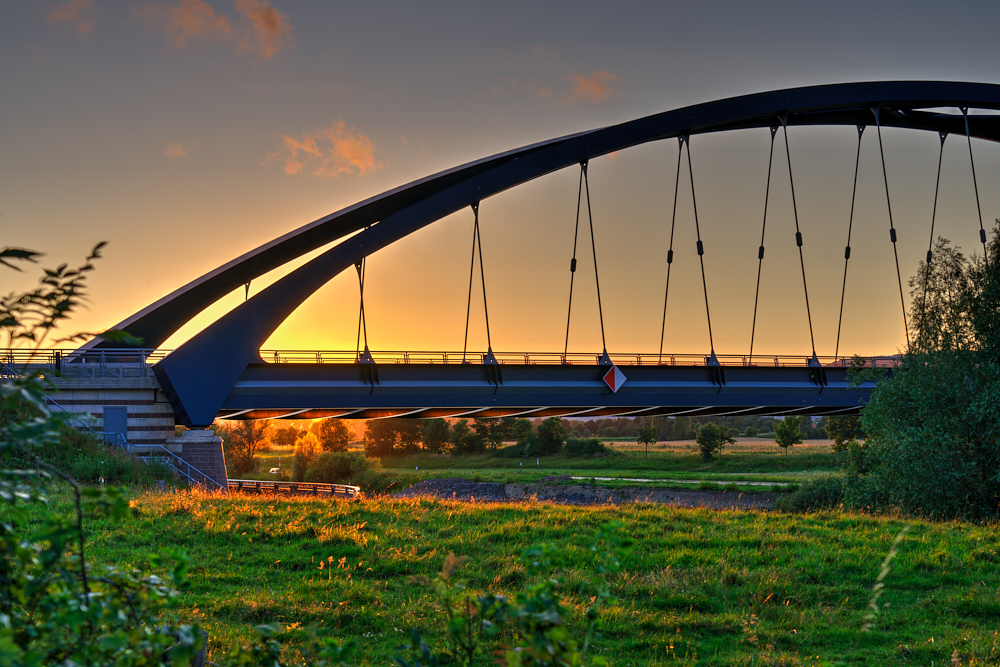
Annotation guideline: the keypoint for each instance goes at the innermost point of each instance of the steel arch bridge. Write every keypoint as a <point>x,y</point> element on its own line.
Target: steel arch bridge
<point>220,371</point>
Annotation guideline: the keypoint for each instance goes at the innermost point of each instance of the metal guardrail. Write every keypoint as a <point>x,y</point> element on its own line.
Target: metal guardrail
<point>305,488</point>
<point>124,363</point>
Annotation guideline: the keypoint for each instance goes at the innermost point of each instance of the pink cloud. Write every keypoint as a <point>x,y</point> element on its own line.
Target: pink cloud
<point>176,150</point>
<point>185,20</point>
<point>262,30</point>
<point>327,152</point>
<point>266,31</point>
<point>75,12</point>
<point>594,88</point>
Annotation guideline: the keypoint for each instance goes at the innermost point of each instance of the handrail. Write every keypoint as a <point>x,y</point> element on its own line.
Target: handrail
<point>166,457</point>
<point>139,363</point>
<point>260,486</point>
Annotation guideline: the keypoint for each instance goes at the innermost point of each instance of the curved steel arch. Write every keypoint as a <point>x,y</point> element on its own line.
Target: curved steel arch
<point>199,375</point>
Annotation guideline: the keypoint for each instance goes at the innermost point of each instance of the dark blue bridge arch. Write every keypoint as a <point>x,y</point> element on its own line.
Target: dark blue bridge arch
<point>200,375</point>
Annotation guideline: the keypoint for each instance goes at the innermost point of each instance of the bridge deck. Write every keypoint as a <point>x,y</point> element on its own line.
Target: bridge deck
<point>365,391</point>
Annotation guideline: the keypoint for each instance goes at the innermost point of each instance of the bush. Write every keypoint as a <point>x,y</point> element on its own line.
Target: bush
<point>821,493</point>
<point>578,448</point>
<point>350,468</point>
<point>711,438</point>
<point>512,452</point>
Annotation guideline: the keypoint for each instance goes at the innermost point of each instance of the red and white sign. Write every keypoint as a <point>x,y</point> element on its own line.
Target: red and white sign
<point>614,378</point>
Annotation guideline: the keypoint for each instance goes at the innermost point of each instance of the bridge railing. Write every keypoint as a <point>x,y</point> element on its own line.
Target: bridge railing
<point>557,358</point>
<point>104,363</point>
<point>304,488</point>
<point>126,363</point>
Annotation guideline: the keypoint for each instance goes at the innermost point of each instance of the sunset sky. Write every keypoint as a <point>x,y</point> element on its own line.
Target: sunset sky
<point>187,132</point>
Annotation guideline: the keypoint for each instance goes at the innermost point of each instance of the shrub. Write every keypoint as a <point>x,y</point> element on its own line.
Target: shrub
<point>512,451</point>
<point>585,448</point>
<point>350,468</point>
<point>711,438</point>
<point>550,437</point>
<point>817,494</point>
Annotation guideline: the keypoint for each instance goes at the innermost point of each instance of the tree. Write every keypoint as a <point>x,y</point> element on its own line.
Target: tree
<point>646,436</point>
<point>54,608</point>
<point>286,436</point>
<point>787,433</point>
<point>933,425</point>
<point>408,431</point>
<point>552,434</point>
<point>380,437</point>
<point>491,432</point>
<point>711,437</point>
<point>243,441</point>
<point>435,433</point>
<point>332,434</point>
<point>844,430</point>
<point>520,429</point>
<point>463,439</point>
<point>306,449</point>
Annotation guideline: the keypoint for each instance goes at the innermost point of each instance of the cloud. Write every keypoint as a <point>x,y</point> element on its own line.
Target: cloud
<point>327,152</point>
<point>175,150</point>
<point>261,31</point>
<point>266,31</point>
<point>595,88</point>
<point>185,20</point>
<point>75,12</point>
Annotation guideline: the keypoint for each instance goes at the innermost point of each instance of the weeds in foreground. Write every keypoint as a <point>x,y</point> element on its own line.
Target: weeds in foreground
<point>535,622</point>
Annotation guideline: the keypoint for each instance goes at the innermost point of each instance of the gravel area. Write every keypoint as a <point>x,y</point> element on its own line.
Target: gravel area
<point>585,494</point>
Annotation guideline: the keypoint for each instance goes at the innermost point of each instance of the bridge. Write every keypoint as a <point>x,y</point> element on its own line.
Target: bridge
<point>221,372</point>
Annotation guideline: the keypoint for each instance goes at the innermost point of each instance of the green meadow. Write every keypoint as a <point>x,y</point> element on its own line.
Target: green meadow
<point>697,587</point>
<point>750,459</point>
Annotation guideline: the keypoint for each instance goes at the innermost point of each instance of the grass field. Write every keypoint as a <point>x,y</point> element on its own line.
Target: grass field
<point>699,587</point>
<point>750,459</point>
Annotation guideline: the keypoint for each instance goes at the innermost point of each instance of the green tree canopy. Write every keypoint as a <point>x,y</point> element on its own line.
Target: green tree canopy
<point>933,425</point>
<point>435,434</point>
<point>787,432</point>
<point>331,434</point>
<point>711,437</point>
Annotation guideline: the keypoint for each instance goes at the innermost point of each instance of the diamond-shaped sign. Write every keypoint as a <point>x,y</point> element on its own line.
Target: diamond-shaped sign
<point>614,378</point>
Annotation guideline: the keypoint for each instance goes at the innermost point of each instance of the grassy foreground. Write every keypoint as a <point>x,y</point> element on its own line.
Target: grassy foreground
<point>699,587</point>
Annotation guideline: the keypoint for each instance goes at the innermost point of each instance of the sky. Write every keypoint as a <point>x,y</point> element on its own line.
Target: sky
<point>187,132</point>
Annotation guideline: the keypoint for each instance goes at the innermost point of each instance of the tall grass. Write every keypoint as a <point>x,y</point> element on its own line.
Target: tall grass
<point>700,587</point>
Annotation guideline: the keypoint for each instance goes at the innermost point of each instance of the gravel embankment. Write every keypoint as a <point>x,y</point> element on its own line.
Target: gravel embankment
<point>585,494</point>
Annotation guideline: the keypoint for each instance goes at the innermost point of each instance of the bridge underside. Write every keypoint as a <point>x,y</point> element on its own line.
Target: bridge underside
<point>368,391</point>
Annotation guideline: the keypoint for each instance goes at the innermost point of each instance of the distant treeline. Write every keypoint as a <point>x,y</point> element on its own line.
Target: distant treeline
<point>386,437</point>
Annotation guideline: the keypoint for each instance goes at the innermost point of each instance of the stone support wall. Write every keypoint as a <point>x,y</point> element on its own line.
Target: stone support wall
<point>150,416</point>
<point>150,419</point>
<point>203,450</point>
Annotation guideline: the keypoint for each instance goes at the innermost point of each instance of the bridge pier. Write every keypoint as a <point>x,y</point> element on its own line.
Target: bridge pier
<point>135,412</point>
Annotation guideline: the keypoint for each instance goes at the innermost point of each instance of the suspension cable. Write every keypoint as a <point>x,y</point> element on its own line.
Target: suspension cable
<point>798,233</point>
<point>760,251</point>
<point>482,276</point>
<point>930,243</point>
<point>847,248</point>
<point>593,247</point>
<point>572,263</point>
<point>476,241</point>
<point>362,324</point>
<point>892,229</point>
<point>670,249</point>
<point>701,247</point>
<point>975,185</point>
